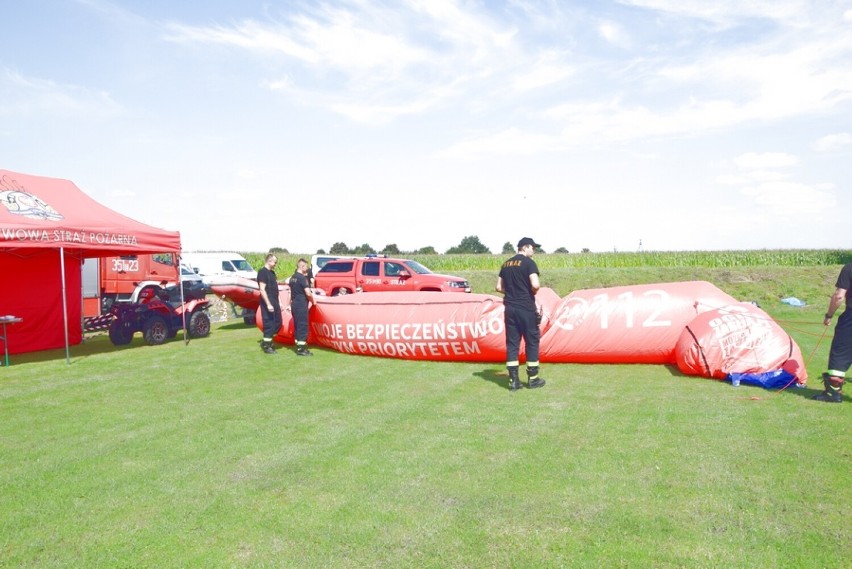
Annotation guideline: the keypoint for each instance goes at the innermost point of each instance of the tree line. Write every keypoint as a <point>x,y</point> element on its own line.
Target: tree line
<point>468,245</point>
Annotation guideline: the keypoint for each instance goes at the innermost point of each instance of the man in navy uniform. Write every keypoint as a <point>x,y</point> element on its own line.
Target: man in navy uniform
<point>518,281</point>
<point>840,356</point>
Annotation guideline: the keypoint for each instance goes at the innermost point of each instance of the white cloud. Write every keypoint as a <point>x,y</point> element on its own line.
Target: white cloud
<point>764,179</point>
<point>338,43</point>
<point>28,96</point>
<point>354,99</point>
<point>613,33</point>
<point>547,69</point>
<point>726,12</point>
<point>377,62</point>
<point>731,180</point>
<point>790,199</point>
<point>756,161</point>
<point>508,142</point>
<point>765,85</point>
<point>833,142</point>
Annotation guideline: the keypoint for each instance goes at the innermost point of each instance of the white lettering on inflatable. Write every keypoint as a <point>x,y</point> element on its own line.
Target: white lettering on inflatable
<point>571,313</point>
<point>411,349</point>
<point>412,331</point>
<point>330,331</point>
<point>738,330</point>
<point>626,299</point>
<point>603,301</point>
<point>574,310</point>
<point>343,347</point>
<point>651,321</point>
<point>414,340</point>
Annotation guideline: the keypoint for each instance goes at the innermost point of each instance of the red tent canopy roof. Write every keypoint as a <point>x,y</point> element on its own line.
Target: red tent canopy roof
<point>38,213</point>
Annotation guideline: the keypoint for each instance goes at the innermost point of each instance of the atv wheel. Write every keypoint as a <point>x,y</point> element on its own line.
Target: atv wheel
<point>249,316</point>
<point>199,325</point>
<point>155,330</point>
<point>119,334</point>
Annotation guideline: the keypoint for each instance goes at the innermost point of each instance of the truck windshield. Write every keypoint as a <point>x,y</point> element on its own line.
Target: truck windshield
<point>241,265</point>
<point>418,268</point>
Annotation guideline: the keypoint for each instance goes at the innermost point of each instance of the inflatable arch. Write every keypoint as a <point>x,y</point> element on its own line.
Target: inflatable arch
<point>667,323</point>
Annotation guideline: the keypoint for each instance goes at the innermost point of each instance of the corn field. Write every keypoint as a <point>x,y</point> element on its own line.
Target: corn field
<point>667,259</point>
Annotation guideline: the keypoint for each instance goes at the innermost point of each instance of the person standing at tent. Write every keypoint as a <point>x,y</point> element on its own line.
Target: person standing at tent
<point>301,297</point>
<point>518,281</point>
<point>270,307</point>
<point>840,355</point>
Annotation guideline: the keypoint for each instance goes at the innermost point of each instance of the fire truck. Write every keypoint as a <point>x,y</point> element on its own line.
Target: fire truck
<point>108,280</point>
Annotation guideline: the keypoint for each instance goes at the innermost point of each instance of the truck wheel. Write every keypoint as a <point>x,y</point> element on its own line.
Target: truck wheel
<point>199,325</point>
<point>119,334</point>
<point>155,330</point>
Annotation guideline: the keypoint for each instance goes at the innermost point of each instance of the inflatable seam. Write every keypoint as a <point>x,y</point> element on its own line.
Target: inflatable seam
<point>701,351</point>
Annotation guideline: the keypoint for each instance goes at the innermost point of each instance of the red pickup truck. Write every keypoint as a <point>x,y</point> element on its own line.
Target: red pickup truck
<point>370,274</point>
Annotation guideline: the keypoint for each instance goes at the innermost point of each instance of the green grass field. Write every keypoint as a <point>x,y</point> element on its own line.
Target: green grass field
<point>213,454</point>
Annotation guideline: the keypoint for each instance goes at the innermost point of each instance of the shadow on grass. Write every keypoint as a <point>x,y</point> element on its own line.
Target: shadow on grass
<point>237,325</point>
<point>808,393</point>
<point>92,345</point>
<point>498,378</point>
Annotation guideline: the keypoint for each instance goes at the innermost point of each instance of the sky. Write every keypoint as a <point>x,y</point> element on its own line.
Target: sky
<point>653,125</point>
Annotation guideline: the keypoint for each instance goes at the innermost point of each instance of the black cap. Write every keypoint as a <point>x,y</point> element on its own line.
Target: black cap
<point>528,241</point>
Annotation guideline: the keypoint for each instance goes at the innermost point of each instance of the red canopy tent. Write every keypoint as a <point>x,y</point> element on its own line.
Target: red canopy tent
<point>47,227</point>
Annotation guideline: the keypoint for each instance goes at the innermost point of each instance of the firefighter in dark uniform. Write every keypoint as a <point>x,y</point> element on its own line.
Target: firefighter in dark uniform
<point>518,281</point>
<point>840,355</point>
<point>270,309</point>
<point>301,297</point>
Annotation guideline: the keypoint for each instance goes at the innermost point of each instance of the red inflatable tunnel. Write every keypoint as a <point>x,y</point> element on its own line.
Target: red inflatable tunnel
<point>408,325</point>
<point>667,323</point>
<point>626,324</point>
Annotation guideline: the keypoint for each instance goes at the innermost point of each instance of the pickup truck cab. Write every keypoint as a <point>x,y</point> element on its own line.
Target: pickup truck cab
<point>373,273</point>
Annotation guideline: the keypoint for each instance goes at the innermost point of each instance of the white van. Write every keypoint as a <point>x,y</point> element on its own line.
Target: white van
<point>215,265</point>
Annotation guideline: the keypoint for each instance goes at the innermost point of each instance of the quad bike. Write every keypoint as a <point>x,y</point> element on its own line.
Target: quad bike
<point>159,314</point>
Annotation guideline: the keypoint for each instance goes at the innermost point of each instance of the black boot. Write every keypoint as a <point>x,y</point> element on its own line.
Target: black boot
<point>533,380</point>
<point>302,350</point>
<point>267,347</point>
<point>833,389</point>
<point>514,380</point>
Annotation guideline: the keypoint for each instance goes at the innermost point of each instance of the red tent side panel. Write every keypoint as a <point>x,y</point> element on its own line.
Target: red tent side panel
<point>740,338</point>
<point>31,288</point>
<point>628,324</point>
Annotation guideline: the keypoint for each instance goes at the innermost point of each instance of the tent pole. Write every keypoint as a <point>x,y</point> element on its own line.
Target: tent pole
<point>182,301</point>
<point>64,304</point>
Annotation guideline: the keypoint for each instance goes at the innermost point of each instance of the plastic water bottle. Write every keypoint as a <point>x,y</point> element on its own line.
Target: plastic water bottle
<point>735,381</point>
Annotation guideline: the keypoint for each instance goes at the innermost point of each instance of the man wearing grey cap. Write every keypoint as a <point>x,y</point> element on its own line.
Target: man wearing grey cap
<point>518,281</point>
